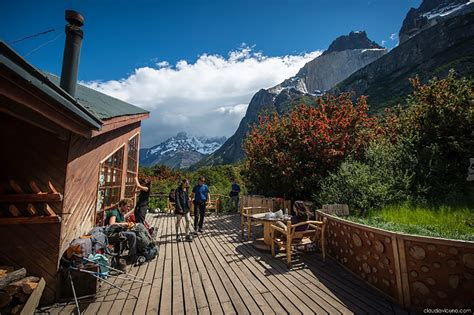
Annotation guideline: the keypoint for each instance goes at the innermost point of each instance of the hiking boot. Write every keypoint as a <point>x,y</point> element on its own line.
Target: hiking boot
<point>140,261</point>
<point>189,238</point>
<point>122,265</point>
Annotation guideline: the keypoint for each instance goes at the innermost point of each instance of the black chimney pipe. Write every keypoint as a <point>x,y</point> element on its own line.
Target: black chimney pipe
<point>72,51</point>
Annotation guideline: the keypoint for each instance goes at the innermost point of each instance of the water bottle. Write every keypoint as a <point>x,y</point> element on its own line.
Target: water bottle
<point>286,212</point>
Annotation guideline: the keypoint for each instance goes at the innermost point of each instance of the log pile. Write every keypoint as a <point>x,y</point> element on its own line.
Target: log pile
<point>15,289</point>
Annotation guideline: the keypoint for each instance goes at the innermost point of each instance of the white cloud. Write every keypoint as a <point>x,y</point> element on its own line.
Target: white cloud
<point>383,42</point>
<point>206,97</point>
<point>393,36</point>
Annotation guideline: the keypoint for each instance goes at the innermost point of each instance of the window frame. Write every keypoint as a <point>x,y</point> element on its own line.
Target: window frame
<point>101,208</point>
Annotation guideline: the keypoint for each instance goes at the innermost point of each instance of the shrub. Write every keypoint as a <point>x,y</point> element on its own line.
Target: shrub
<point>384,177</point>
<point>288,156</point>
<point>439,122</point>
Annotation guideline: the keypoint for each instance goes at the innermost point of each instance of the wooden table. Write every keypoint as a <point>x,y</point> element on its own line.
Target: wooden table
<point>265,242</point>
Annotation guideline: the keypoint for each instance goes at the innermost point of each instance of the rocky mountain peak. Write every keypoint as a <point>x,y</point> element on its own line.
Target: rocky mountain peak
<point>180,151</point>
<point>355,40</point>
<point>430,13</point>
<point>181,135</point>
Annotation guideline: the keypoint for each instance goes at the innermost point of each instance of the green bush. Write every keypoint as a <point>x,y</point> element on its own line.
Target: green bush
<point>384,177</point>
<point>438,123</point>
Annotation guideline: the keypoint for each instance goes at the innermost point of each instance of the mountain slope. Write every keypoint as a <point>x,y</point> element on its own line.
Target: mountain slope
<point>317,76</point>
<point>180,151</point>
<point>432,52</point>
<point>431,12</point>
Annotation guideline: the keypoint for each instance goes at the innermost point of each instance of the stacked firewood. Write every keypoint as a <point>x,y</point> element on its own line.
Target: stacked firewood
<point>15,289</point>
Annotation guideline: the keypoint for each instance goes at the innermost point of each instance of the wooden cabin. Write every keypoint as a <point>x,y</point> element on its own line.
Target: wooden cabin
<point>64,158</point>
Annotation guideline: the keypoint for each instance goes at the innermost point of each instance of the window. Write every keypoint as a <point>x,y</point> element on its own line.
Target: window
<point>110,182</point>
<point>132,167</point>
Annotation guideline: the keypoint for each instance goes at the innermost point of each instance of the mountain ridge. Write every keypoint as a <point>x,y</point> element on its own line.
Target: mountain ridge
<point>180,151</point>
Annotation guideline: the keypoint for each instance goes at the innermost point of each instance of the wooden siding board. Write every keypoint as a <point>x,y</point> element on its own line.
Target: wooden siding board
<point>33,154</point>
<point>80,194</point>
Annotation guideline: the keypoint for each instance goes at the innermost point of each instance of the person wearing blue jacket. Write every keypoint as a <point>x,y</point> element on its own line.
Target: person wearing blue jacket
<point>200,197</point>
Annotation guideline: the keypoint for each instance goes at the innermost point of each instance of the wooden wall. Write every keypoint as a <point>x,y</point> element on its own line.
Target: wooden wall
<point>71,163</point>
<point>80,194</point>
<point>30,153</point>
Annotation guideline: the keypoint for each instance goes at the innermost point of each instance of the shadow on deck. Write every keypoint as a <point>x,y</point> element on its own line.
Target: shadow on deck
<point>221,273</point>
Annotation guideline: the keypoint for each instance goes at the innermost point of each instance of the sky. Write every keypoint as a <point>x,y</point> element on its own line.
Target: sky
<point>194,64</point>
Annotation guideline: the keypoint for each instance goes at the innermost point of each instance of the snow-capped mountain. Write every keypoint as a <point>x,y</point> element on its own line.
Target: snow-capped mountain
<point>430,13</point>
<point>180,151</point>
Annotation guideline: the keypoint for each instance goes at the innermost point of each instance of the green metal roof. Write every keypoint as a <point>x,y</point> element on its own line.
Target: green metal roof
<point>91,106</point>
<point>100,105</point>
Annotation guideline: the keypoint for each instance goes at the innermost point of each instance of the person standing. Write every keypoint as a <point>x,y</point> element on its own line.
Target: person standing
<point>234,195</point>
<point>182,209</point>
<point>142,204</point>
<point>200,196</point>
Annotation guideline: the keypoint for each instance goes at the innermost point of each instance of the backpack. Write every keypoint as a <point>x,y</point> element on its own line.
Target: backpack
<point>144,239</point>
<point>150,252</point>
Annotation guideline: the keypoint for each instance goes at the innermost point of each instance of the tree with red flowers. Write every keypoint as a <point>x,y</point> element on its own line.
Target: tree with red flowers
<point>289,155</point>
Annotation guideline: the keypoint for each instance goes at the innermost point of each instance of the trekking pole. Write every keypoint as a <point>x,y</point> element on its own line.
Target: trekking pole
<point>94,274</point>
<point>133,280</point>
<point>74,293</point>
<point>111,268</point>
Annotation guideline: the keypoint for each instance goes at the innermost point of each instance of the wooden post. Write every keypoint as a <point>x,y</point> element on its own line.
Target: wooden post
<point>33,301</point>
<point>288,243</point>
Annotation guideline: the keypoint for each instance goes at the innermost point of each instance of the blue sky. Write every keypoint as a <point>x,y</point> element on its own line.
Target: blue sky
<point>123,37</point>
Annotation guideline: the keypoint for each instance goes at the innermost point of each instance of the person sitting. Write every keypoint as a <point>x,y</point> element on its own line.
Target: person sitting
<point>302,214</point>
<point>116,217</point>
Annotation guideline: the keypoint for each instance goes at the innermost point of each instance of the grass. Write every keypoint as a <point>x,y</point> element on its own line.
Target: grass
<point>453,222</point>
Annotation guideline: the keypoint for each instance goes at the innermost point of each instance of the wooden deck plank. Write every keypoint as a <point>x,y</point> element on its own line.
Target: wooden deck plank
<point>327,302</point>
<point>323,294</point>
<point>153,304</point>
<point>221,273</point>
<point>242,284</point>
<point>166,300</point>
<point>358,295</point>
<point>190,305</point>
<point>253,265</point>
<point>235,289</point>
<point>197,285</point>
<point>142,290</point>
<point>209,278</point>
<point>178,294</point>
<point>307,304</point>
<point>225,281</point>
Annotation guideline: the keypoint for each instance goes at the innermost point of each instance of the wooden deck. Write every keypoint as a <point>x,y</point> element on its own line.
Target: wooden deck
<point>219,273</point>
